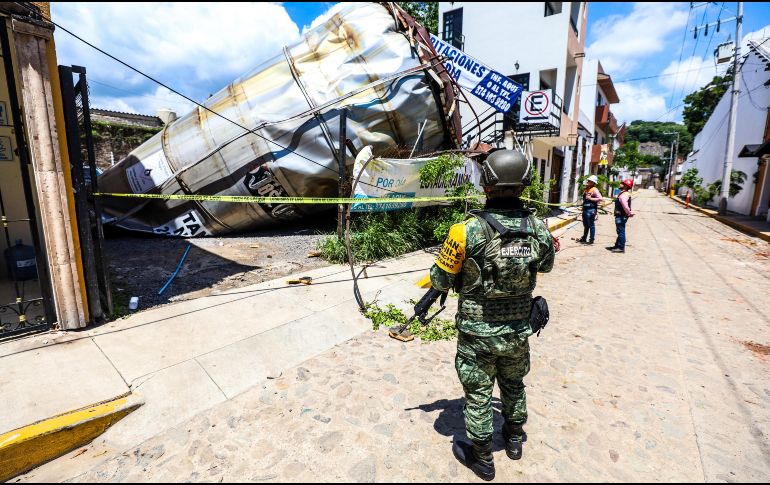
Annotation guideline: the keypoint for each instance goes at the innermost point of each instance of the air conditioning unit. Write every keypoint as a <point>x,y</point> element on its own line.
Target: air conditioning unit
<point>724,52</point>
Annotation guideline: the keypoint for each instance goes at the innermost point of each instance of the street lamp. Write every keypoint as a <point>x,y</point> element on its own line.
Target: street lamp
<point>672,162</point>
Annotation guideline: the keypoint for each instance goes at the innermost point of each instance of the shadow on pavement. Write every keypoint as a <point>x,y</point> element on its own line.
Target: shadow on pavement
<point>450,421</point>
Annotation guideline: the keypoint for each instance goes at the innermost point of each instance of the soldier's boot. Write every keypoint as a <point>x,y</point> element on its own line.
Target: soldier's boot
<point>477,456</point>
<point>514,437</point>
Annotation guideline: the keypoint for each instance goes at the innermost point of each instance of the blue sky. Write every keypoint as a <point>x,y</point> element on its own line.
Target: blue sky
<point>636,40</point>
<point>199,48</point>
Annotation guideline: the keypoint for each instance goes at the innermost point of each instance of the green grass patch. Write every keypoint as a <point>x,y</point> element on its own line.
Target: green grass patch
<point>120,301</point>
<point>383,235</point>
<point>437,329</point>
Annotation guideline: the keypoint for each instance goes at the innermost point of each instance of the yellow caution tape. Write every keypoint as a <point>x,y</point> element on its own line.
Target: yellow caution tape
<point>287,200</point>
<point>250,199</point>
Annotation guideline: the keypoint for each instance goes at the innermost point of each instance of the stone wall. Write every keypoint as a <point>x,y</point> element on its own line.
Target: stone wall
<point>116,140</point>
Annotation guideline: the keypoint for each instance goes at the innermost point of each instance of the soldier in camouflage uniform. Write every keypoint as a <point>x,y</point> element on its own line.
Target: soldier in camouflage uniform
<point>492,260</point>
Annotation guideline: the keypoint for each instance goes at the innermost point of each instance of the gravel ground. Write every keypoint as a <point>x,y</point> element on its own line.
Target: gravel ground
<point>141,265</point>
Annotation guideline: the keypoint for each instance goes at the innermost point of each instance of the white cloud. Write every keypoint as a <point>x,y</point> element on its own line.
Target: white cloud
<point>757,35</point>
<point>144,103</point>
<point>639,103</point>
<point>323,17</point>
<point>197,48</point>
<point>622,41</point>
<point>690,74</point>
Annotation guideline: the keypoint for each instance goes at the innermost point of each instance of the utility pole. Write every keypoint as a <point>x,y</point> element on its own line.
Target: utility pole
<point>730,150</point>
<point>672,160</point>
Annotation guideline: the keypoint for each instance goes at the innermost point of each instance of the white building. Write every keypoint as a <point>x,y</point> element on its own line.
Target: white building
<point>541,46</point>
<point>752,128</point>
<point>599,135</point>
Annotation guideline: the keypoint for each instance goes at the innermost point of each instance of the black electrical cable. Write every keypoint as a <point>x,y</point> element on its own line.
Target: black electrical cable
<point>32,10</point>
<point>679,62</point>
<point>190,99</point>
<point>692,56</point>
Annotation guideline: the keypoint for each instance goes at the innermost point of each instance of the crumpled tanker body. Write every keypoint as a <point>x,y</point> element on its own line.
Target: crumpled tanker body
<point>364,58</point>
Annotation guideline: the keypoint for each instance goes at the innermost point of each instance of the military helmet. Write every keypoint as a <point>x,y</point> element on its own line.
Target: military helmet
<point>505,168</point>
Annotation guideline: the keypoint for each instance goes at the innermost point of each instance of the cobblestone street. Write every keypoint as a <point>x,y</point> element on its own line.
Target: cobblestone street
<point>654,368</point>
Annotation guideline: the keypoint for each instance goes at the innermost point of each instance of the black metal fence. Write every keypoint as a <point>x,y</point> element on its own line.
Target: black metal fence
<point>77,117</point>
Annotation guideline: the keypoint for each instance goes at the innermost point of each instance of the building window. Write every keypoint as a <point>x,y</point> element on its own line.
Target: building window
<point>599,99</point>
<point>453,28</point>
<point>552,8</point>
<point>574,16</point>
<point>510,120</point>
<point>548,78</point>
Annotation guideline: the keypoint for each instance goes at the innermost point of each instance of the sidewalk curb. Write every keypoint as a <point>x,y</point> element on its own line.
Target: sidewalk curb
<point>724,220</point>
<point>31,446</point>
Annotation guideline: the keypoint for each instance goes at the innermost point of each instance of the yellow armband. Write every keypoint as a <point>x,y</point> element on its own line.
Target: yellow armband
<point>452,254</point>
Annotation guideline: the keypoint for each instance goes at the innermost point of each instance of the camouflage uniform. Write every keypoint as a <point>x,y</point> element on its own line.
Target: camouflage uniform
<point>493,312</point>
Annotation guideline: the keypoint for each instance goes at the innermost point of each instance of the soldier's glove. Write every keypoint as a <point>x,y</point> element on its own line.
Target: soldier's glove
<point>538,317</point>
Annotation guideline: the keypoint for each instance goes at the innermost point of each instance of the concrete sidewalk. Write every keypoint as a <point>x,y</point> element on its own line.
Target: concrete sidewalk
<point>751,225</point>
<point>184,358</point>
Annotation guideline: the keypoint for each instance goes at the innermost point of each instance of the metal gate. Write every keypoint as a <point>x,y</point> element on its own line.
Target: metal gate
<point>80,145</point>
<point>26,301</point>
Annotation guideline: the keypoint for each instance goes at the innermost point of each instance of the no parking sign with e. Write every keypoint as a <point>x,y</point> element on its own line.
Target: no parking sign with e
<point>536,106</point>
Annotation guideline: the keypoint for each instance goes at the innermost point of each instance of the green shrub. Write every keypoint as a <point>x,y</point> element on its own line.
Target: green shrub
<point>437,329</point>
<point>534,194</point>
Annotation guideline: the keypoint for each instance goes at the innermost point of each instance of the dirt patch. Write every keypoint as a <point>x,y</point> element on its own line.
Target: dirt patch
<point>140,266</point>
<point>758,349</point>
<point>745,242</point>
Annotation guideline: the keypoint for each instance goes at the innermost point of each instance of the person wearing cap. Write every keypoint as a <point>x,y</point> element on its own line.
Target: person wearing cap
<point>492,260</point>
<point>622,213</point>
<point>591,199</point>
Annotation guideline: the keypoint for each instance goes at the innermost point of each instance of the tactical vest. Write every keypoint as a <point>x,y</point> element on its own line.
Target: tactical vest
<point>497,285</point>
<point>619,211</point>
<point>588,203</point>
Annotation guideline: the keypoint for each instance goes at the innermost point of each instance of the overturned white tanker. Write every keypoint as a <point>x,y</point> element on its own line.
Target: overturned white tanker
<point>371,58</point>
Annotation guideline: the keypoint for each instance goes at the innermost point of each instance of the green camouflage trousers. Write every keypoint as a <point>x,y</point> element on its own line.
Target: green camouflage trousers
<point>479,361</point>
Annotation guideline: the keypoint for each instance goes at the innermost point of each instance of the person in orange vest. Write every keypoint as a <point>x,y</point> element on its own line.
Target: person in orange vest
<point>591,199</point>
<point>622,213</point>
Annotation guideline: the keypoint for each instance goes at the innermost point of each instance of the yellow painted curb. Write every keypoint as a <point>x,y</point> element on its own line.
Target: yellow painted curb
<point>424,282</point>
<point>724,220</point>
<point>30,446</point>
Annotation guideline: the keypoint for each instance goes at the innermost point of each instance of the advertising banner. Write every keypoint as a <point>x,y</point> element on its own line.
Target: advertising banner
<point>490,86</point>
<point>398,178</point>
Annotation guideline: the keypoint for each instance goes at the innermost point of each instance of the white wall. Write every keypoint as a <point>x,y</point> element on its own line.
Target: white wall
<point>502,34</point>
<point>709,145</point>
<point>499,34</point>
<point>588,99</point>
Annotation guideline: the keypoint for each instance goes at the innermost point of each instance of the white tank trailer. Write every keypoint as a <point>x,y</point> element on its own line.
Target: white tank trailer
<point>370,58</point>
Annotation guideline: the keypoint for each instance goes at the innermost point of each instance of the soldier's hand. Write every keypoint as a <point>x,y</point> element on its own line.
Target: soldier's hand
<point>556,243</point>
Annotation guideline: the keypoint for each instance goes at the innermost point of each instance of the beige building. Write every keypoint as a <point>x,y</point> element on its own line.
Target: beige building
<point>43,282</point>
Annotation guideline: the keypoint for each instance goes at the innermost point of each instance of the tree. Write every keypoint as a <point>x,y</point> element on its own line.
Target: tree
<point>655,131</point>
<point>425,13</point>
<point>628,156</point>
<point>699,105</point>
<point>737,179</point>
<point>690,179</point>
